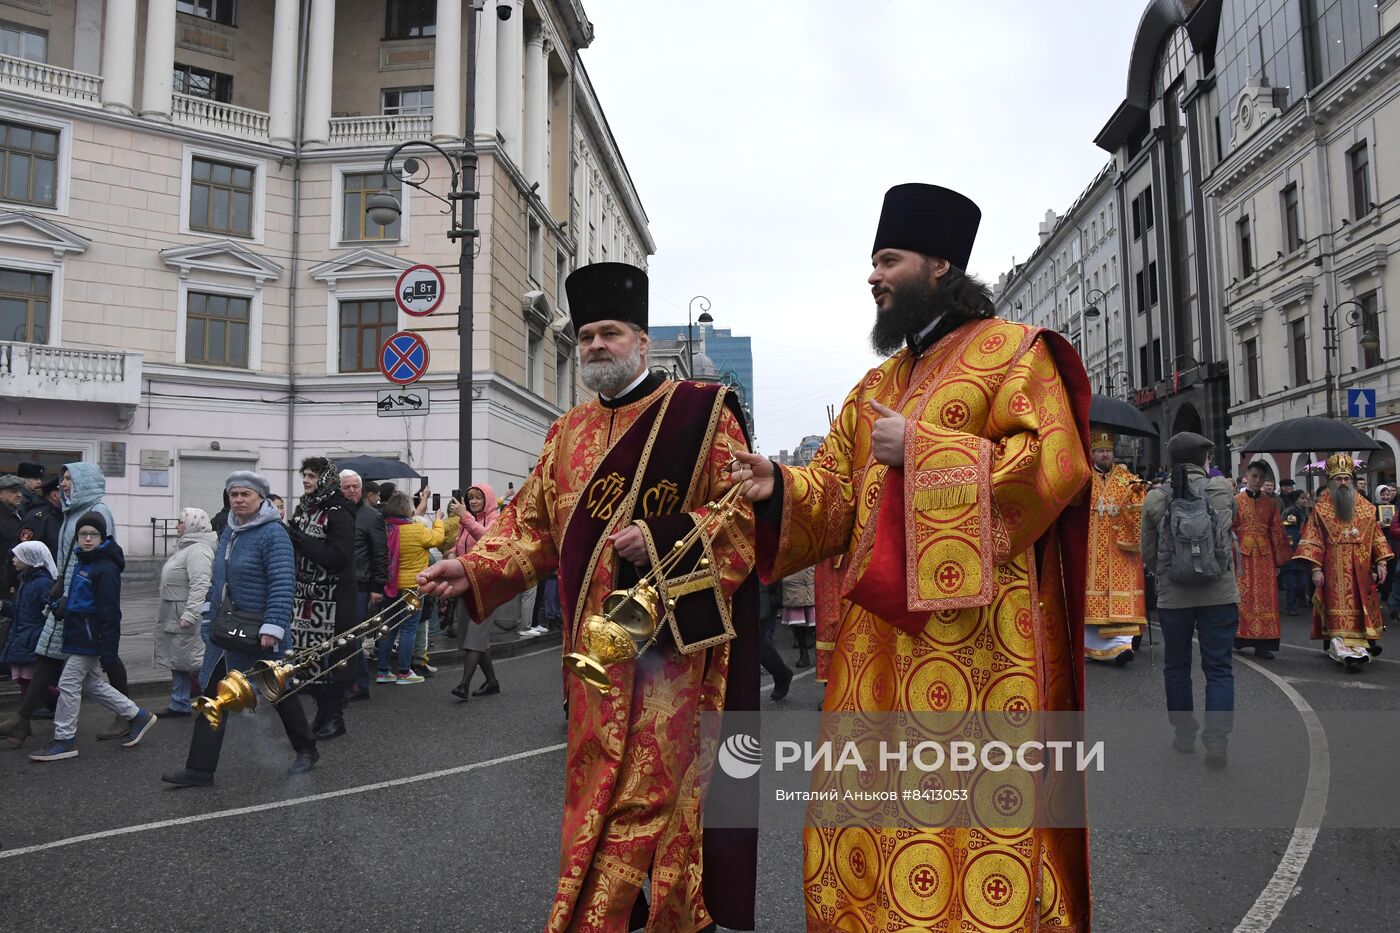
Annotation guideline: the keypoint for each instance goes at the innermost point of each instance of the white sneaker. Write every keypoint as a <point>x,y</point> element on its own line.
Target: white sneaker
<point>527,633</point>
<point>540,630</point>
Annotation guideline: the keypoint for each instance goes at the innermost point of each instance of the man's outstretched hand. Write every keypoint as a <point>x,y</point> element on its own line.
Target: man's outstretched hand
<point>443,579</point>
<point>756,472</point>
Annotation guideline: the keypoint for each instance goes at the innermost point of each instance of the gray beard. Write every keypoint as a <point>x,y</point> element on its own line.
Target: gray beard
<point>609,377</point>
<point>1344,502</point>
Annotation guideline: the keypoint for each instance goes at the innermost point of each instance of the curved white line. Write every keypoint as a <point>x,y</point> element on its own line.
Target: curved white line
<point>1276,893</point>
<point>280,804</point>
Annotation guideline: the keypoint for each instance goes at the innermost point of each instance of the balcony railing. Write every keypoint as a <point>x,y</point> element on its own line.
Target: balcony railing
<point>37,77</point>
<point>204,114</point>
<point>64,374</point>
<point>378,128</point>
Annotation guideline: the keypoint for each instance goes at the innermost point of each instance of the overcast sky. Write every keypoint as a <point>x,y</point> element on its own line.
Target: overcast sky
<point>762,136</point>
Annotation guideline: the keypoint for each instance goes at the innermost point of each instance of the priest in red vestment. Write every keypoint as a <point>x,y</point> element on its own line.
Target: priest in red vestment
<point>621,479</point>
<point>1264,548</point>
<point>952,485</point>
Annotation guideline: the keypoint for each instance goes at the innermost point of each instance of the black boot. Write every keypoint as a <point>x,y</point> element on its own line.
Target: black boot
<point>188,777</point>
<point>781,682</point>
<point>306,760</point>
<point>805,637</point>
<point>332,728</point>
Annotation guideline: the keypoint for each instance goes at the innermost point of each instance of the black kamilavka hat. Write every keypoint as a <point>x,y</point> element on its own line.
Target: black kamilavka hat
<point>930,220</point>
<point>607,291</point>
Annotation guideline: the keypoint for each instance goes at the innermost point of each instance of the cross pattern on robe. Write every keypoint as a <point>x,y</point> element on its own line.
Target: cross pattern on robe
<point>997,890</point>
<point>939,696</point>
<point>1008,800</point>
<point>949,576</point>
<point>924,880</point>
<point>858,863</point>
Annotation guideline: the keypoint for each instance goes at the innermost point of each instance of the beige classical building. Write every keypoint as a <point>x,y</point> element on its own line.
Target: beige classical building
<point>1306,200</point>
<point>189,283</point>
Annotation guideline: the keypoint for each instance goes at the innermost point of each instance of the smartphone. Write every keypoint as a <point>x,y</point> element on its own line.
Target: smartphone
<point>437,502</point>
<point>417,498</point>
<point>457,494</point>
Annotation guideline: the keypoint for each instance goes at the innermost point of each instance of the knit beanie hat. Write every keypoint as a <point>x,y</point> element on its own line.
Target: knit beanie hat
<point>247,479</point>
<point>93,520</point>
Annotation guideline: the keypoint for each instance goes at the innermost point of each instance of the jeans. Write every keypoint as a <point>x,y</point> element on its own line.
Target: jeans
<point>1214,627</point>
<point>420,637</point>
<point>406,634</point>
<point>361,663</point>
<point>181,687</point>
<point>82,673</point>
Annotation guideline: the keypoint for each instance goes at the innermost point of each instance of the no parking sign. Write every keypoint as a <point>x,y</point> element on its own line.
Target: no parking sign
<point>404,358</point>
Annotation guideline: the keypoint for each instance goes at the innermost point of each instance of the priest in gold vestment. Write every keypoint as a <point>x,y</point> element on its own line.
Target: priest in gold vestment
<point>1115,605</point>
<point>1343,543</point>
<point>1264,548</point>
<point>621,478</point>
<point>952,483</point>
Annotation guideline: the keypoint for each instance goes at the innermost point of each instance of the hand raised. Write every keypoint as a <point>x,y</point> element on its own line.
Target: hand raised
<point>887,436</point>
<point>756,472</point>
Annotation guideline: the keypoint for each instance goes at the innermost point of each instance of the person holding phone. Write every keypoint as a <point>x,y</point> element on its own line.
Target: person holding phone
<point>475,516</point>
<point>408,544</point>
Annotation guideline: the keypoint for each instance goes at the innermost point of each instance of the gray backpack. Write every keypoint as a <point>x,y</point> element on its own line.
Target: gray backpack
<point>1193,542</point>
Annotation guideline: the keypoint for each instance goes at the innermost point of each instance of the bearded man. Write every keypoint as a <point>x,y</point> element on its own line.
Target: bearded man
<point>952,483</point>
<point>1264,548</point>
<point>1115,604</point>
<point>1344,544</point>
<point>621,479</point>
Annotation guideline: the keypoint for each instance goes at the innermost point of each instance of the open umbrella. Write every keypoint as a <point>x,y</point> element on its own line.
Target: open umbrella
<point>1119,416</point>
<point>1302,435</point>
<point>377,468</point>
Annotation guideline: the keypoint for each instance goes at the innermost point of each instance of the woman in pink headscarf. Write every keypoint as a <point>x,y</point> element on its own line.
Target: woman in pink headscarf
<point>475,515</point>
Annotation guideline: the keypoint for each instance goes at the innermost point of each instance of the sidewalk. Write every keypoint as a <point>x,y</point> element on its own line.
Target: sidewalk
<point>141,601</point>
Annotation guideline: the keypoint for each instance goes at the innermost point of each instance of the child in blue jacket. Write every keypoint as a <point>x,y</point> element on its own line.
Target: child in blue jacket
<point>26,612</point>
<point>92,620</point>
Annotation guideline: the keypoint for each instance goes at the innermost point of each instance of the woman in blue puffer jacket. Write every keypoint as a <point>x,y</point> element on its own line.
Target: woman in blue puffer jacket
<point>255,567</point>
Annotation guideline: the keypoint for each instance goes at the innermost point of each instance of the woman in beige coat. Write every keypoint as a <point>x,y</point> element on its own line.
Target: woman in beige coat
<point>184,591</point>
<point>799,612</point>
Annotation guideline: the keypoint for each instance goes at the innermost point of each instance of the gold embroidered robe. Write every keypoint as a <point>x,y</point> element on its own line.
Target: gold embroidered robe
<point>1114,598</point>
<point>991,459</point>
<point>1348,605</point>
<point>1263,549</point>
<point>635,769</point>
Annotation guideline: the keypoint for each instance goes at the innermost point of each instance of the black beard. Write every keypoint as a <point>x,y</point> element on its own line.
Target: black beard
<point>911,308</point>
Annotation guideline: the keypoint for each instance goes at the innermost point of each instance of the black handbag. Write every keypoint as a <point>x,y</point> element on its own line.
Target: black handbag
<point>236,630</point>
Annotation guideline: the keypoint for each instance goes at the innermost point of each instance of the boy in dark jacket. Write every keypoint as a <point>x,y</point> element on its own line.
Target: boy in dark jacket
<point>92,619</point>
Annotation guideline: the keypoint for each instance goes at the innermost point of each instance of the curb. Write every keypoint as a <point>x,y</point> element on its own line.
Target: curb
<point>446,657</point>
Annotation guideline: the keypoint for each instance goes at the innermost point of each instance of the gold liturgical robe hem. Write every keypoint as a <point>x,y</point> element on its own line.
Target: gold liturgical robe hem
<point>1348,605</point>
<point>1264,548</point>
<point>992,456</point>
<point>1114,597</point>
<point>636,771</point>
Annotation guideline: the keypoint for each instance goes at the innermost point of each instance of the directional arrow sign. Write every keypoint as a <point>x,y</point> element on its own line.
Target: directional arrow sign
<point>1361,403</point>
<point>404,358</point>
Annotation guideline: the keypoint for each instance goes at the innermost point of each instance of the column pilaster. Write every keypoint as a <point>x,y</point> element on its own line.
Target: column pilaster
<point>320,58</point>
<point>159,68</point>
<point>119,55</point>
<point>282,83</point>
<point>447,72</point>
<point>536,118</point>
<point>510,80</point>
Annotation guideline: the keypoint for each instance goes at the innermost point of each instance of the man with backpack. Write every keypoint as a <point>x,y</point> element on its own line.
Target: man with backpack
<point>1187,540</point>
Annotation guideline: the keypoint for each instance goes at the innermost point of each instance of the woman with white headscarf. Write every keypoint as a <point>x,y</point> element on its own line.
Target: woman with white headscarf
<point>36,572</point>
<point>184,591</point>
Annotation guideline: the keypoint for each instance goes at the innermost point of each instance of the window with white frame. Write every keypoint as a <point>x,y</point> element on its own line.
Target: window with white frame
<point>221,197</point>
<point>564,377</point>
<point>201,82</point>
<point>220,11</point>
<point>217,329</point>
<point>561,274</point>
<point>24,42</point>
<point>25,302</point>
<point>1359,179</point>
<point>534,360</point>
<point>365,323</point>
<point>407,101</point>
<point>30,154</point>
<point>355,222</point>
<point>536,260</point>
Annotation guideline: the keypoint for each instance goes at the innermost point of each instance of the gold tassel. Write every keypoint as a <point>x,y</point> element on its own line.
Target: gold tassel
<point>947,497</point>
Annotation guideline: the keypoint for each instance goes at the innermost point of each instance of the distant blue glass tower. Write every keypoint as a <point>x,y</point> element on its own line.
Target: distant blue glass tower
<point>732,355</point>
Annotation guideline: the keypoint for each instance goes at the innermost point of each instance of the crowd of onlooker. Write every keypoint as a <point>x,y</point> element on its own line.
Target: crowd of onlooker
<point>348,550</point>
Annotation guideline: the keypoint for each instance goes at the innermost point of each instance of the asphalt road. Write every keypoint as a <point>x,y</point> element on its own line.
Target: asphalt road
<point>436,815</point>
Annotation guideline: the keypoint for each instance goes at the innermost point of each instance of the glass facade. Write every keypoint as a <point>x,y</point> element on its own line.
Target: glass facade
<point>1294,45</point>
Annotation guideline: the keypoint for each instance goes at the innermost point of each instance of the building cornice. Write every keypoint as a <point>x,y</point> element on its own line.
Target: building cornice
<point>363,263</point>
<point>43,234</point>
<point>221,256</point>
<point>1362,262</point>
<point>592,115</point>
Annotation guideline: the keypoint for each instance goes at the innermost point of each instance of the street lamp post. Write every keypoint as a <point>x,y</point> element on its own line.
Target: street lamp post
<point>1091,311</point>
<point>1355,317</point>
<point>383,208</point>
<point>690,320</point>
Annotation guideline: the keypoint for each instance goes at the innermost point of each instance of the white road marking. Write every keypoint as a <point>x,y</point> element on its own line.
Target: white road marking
<point>1354,684</point>
<point>1283,884</point>
<point>281,804</point>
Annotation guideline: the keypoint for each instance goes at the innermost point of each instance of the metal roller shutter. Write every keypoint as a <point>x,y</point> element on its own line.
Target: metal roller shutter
<point>202,481</point>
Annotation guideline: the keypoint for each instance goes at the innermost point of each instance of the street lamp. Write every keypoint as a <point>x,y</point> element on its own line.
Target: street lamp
<point>1355,317</point>
<point>1091,311</point>
<point>704,318</point>
<point>383,208</point>
<point>1113,382</point>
